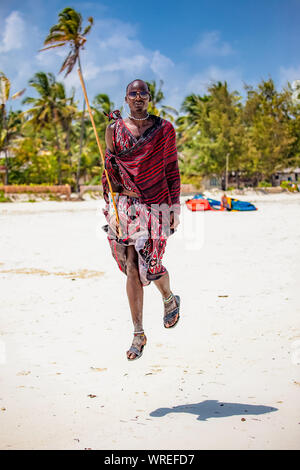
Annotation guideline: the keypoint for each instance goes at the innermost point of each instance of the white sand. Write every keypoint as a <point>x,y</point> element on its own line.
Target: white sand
<point>228,376</point>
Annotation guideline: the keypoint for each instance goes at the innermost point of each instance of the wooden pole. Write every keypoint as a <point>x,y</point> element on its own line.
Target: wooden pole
<point>99,147</point>
<point>80,148</point>
<point>226,172</point>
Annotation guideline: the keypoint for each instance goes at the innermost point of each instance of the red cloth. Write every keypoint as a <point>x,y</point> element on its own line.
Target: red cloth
<point>141,229</point>
<point>148,165</point>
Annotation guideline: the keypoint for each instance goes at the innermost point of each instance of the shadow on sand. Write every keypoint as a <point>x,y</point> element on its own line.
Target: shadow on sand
<point>214,409</point>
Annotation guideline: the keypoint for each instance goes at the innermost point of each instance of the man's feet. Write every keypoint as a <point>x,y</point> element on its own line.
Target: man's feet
<point>171,314</point>
<point>137,346</point>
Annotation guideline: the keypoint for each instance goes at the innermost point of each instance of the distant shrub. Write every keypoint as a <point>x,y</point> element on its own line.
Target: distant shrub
<point>194,180</point>
<point>95,180</point>
<point>4,198</point>
<point>264,184</point>
<point>53,197</point>
<point>292,187</point>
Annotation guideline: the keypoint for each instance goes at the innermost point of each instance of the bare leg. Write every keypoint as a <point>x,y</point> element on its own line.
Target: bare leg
<point>135,293</point>
<point>163,285</point>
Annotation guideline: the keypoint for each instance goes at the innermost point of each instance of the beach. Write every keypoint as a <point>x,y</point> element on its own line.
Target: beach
<point>227,377</point>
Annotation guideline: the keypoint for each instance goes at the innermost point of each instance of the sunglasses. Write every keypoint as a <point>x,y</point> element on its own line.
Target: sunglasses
<point>143,94</point>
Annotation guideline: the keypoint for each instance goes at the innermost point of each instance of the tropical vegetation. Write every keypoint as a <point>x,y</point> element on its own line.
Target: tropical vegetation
<point>50,139</point>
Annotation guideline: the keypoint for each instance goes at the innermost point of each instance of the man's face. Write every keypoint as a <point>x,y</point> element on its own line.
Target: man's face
<point>138,96</point>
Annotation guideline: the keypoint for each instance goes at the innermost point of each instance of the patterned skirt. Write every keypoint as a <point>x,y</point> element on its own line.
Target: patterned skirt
<point>142,228</point>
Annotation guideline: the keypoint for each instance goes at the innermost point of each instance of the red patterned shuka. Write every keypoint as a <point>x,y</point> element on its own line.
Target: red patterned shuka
<point>148,166</point>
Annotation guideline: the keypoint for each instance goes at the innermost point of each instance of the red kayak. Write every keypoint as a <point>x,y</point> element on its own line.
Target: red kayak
<point>199,205</point>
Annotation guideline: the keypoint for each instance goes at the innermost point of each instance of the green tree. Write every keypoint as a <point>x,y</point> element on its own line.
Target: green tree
<point>210,132</point>
<point>293,103</point>
<point>8,127</point>
<point>69,31</point>
<point>166,112</point>
<point>48,110</point>
<point>267,119</point>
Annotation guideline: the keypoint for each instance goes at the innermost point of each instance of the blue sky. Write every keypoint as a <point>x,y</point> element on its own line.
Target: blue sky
<point>187,44</point>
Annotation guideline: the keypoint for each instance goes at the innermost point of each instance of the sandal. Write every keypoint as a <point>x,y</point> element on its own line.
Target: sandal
<point>173,314</point>
<point>134,350</point>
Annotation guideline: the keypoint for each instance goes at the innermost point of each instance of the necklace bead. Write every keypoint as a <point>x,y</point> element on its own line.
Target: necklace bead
<point>138,119</point>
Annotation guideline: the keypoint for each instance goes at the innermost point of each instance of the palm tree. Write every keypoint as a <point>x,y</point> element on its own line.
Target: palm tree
<point>68,31</point>
<point>158,96</point>
<point>4,127</point>
<point>103,104</point>
<point>196,108</point>
<point>68,113</point>
<point>156,92</point>
<point>49,109</point>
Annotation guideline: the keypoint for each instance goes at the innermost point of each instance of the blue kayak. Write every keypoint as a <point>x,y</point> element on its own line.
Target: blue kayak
<point>235,204</point>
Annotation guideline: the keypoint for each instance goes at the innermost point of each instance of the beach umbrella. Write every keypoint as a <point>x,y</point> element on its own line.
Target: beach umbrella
<point>69,31</point>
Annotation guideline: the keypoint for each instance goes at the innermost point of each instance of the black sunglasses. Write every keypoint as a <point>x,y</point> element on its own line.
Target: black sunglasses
<point>143,94</point>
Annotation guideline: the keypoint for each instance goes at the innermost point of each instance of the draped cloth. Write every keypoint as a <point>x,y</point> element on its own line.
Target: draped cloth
<point>148,166</point>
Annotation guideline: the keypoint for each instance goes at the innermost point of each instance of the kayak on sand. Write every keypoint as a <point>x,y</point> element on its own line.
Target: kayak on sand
<point>201,203</point>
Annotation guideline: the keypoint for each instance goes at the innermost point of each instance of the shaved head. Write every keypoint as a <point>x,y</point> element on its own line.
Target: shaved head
<point>137,81</point>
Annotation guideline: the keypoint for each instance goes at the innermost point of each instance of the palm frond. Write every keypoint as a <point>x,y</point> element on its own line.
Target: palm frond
<point>4,88</point>
<point>54,28</point>
<point>65,62</point>
<point>42,82</point>
<point>28,100</point>
<point>18,94</point>
<point>52,47</point>
<point>170,109</point>
<point>59,36</point>
<point>60,90</point>
<point>69,63</point>
<point>88,28</point>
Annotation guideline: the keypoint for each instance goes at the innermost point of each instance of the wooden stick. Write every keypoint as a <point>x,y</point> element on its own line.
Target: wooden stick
<point>99,146</point>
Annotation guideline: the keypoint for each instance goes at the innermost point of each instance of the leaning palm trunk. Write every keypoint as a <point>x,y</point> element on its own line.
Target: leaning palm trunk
<point>58,155</point>
<point>80,147</point>
<point>6,167</point>
<point>69,31</point>
<point>7,162</point>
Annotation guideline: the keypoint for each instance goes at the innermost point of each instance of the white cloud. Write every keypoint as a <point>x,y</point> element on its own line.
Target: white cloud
<point>135,64</point>
<point>91,71</point>
<point>113,57</point>
<point>161,64</point>
<point>289,74</point>
<point>120,42</point>
<point>200,82</point>
<point>13,34</point>
<point>211,45</point>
